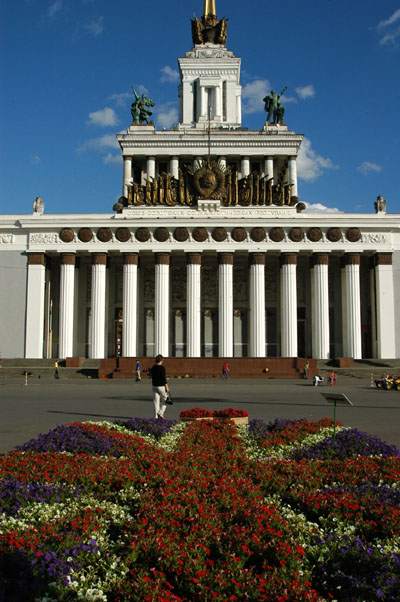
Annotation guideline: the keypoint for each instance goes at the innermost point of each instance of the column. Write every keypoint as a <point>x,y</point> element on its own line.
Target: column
<point>320,306</point>
<point>203,102</point>
<point>225,304</point>
<point>193,316</point>
<point>351,306</point>
<point>288,305</point>
<point>245,166</point>
<point>269,168</point>
<point>151,168</point>
<point>239,108</point>
<point>162,303</point>
<point>98,320</point>
<point>293,176</point>
<point>129,305</point>
<point>218,103</point>
<point>35,296</point>
<point>174,167</point>
<point>257,304</point>
<point>127,174</point>
<point>385,310</point>
<point>66,317</point>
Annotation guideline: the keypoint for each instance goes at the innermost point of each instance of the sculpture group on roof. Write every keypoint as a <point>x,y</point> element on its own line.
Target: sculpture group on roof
<point>140,108</point>
<point>274,107</point>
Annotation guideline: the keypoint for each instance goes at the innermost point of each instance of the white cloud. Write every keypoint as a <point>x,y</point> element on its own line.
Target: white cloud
<point>287,99</point>
<point>54,8</point>
<point>392,19</point>
<point>390,34</point>
<point>166,115</point>
<point>112,159</point>
<point>368,166</point>
<point>169,74</point>
<point>140,89</point>
<point>95,27</point>
<point>99,144</point>
<point>319,208</point>
<point>103,117</point>
<point>35,160</point>
<point>305,92</point>
<point>121,99</point>
<point>253,94</point>
<point>310,165</point>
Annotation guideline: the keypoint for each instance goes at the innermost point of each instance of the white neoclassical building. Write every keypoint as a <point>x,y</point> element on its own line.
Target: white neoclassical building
<point>208,252</point>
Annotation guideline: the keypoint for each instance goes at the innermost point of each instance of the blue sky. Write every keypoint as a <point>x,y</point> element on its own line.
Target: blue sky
<point>67,67</point>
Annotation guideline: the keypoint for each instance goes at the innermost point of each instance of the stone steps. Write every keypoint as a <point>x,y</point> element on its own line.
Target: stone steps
<point>44,368</point>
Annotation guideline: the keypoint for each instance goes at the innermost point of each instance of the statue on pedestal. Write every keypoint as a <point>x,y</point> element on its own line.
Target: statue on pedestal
<point>273,107</point>
<point>380,205</point>
<point>139,108</point>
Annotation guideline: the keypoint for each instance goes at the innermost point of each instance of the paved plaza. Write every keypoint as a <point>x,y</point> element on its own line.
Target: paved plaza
<point>27,410</point>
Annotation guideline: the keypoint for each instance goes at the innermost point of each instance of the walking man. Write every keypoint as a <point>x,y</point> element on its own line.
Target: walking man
<point>138,371</point>
<point>56,369</point>
<point>225,370</point>
<point>160,387</point>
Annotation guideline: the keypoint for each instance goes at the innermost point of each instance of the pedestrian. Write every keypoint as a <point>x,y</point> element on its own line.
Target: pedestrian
<point>160,387</point>
<point>306,369</point>
<point>138,371</point>
<point>225,370</point>
<point>56,369</point>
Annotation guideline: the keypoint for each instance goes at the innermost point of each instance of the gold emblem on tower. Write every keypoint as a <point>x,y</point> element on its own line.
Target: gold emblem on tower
<point>209,30</point>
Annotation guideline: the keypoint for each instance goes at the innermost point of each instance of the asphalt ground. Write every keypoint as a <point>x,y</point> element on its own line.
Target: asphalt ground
<point>42,404</point>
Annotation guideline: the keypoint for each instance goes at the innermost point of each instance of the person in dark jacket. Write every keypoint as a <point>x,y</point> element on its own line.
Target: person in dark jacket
<point>160,387</point>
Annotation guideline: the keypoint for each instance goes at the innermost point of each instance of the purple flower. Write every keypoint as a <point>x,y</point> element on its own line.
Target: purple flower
<point>74,439</point>
<point>148,426</point>
<point>345,444</point>
<point>15,494</point>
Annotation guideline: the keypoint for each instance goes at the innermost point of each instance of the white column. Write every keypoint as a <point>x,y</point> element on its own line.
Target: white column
<point>239,109</point>
<point>269,168</point>
<point>35,296</point>
<point>97,335</point>
<point>203,101</point>
<point>162,304</point>
<point>320,306</point>
<point>288,305</point>
<point>129,305</point>
<point>67,306</point>
<point>245,166</point>
<point>257,305</point>
<point>218,103</point>
<point>352,307</point>
<point>174,167</point>
<point>385,310</point>
<point>293,176</point>
<point>225,303</point>
<point>150,168</point>
<point>127,174</point>
<point>193,316</point>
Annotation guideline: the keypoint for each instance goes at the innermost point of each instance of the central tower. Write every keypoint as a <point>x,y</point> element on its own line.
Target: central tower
<point>210,76</point>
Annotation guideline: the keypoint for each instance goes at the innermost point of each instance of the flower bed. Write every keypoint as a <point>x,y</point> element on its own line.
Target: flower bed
<point>120,512</point>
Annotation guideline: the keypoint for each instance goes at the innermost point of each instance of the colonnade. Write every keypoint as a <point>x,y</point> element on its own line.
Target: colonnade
<point>244,165</point>
<point>382,300</point>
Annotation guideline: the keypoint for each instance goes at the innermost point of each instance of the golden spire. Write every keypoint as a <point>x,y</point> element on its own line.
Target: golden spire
<point>209,8</point>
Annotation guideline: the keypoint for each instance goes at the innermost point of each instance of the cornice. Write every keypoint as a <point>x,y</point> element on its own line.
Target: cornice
<point>242,146</point>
